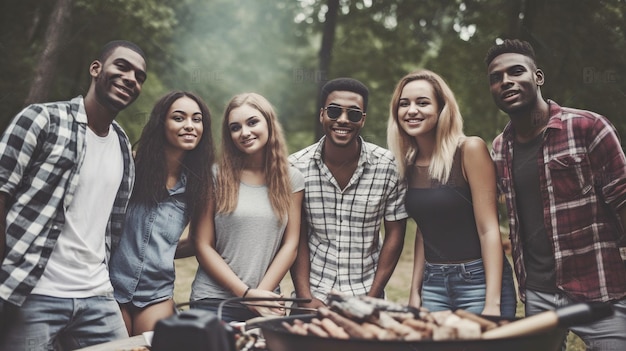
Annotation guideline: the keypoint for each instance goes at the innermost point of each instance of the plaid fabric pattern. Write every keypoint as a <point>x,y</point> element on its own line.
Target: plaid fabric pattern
<point>344,224</point>
<point>40,154</point>
<point>583,183</point>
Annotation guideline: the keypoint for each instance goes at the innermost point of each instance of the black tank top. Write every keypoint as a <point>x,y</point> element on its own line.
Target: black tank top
<point>444,214</point>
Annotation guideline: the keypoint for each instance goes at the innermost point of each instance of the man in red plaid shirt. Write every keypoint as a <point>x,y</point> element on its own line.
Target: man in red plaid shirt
<point>562,172</point>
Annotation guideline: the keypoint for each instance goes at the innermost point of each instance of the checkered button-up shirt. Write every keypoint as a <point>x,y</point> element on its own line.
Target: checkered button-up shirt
<point>582,174</point>
<point>344,224</point>
<point>41,153</point>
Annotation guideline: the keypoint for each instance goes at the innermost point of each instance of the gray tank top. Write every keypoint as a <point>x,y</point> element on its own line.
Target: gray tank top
<point>247,239</point>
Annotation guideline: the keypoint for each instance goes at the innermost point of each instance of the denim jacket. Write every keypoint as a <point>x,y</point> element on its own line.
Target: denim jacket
<point>142,268</point>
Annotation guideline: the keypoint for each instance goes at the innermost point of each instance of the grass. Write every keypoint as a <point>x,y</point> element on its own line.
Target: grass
<point>397,289</point>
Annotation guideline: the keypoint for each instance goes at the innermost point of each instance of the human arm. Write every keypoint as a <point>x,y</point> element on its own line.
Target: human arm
<point>608,164</point>
<point>185,248</point>
<point>480,173</point>
<point>622,216</point>
<point>3,220</point>
<point>417,277</point>
<point>23,144</point>
<point>287,252</point>
<point>393,243</point>
<point>301,269</point>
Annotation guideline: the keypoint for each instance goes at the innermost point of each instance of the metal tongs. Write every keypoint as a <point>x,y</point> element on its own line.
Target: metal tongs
<point>249,301</point>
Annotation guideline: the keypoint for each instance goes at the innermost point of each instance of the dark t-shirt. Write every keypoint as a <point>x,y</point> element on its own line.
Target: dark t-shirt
<point>538,254</point>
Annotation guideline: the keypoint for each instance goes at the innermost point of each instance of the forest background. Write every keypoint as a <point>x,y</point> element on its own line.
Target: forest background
<point>286,49</point>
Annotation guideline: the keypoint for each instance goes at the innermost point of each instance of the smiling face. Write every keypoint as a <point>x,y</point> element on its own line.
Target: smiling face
<point>514,83</point>
<point>341,131</point>
<point>183,124</point>
<point>248,129</point>
<point>418,110</point>
<point>118,80</point>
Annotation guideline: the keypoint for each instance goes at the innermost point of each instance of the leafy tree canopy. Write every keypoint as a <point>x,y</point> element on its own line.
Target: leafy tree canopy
<point>223,47</point>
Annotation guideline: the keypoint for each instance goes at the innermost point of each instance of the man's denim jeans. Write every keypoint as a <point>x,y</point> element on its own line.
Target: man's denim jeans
<point>52,323</point>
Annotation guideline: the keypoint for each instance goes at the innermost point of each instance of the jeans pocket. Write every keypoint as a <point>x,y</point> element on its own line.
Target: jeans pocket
<point>426,276</point>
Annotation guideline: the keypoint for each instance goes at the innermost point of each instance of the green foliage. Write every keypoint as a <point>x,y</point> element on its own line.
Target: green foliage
<point>380,41</point>
<point>93,23</point>
<point>220,48</point>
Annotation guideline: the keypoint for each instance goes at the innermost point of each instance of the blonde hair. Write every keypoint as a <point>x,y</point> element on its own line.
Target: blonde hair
<point>231,162</point>
<point>449,128</point>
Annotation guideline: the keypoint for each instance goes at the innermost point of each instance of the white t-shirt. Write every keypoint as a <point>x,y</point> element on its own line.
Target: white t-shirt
<point>77,267</point>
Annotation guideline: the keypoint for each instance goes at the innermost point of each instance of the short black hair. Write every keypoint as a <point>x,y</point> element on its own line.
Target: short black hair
<point>515,46</point>
<point>344,84</point>
<point>108,48</point>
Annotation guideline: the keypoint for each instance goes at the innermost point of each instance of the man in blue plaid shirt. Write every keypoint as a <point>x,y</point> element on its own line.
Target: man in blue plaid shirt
<point>66,173</point>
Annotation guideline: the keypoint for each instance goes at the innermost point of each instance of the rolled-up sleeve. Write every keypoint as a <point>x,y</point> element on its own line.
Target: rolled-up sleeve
<point>18,143</point>
<point>606,152</point>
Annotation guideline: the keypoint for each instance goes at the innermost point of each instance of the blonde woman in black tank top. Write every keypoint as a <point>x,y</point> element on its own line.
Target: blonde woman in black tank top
<point>459,260</point>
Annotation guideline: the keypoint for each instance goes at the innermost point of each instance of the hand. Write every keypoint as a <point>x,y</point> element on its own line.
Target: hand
<point>300,308</point>
<point>276,309</point>
<point>491,310</point>
<point>315,303</point>
<point>415,299</point>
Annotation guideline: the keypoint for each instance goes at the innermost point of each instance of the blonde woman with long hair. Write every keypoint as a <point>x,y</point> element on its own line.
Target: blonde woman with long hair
<point>459,261</point>
<point>248,238</point>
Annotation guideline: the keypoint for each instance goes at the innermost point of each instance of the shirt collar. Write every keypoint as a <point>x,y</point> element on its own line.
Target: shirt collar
<point>554,122</point>
<point>364,157</point>
<point>180,186</point>
<point>81,115</point>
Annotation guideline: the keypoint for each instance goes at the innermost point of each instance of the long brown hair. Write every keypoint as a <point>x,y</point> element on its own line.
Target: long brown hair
<point>231,163</point>
<point>151,170</point>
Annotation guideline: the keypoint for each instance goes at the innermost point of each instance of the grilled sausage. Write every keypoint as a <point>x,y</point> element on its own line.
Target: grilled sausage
<point>353,329</point>
<point>333,329</point>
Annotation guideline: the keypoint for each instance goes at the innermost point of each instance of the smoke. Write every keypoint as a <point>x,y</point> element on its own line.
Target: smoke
<point>227,47</point>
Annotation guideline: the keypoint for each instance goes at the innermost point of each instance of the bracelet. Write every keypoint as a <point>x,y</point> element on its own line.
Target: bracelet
<point>246,292</point>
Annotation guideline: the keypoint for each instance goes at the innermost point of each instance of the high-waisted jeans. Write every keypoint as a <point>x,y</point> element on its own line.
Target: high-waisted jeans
<point>463,286</point>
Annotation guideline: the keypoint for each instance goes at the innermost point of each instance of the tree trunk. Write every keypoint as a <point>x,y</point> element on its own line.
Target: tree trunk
<point>53,41</point>
<point>325,55</point>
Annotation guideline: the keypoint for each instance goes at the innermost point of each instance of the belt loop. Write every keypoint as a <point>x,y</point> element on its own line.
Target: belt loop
<point>462,266</point>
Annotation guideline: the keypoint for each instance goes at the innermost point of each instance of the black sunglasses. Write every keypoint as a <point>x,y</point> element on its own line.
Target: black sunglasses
<point>334,112</point>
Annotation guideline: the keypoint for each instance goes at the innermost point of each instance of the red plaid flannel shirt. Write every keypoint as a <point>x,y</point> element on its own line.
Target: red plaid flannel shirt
<point>582,172</point>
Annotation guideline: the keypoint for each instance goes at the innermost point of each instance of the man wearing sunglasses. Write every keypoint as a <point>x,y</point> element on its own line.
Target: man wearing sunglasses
<point>351,188</point>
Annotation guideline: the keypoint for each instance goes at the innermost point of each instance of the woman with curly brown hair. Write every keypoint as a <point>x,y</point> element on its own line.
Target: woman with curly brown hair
<point>172,188</point>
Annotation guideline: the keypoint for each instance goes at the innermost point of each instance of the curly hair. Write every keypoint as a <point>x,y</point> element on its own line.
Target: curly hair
<point>151,169</point>
<point>344,84</point>
<point>515,46</point>
<point>108,48</point>
<point>231,163</point>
